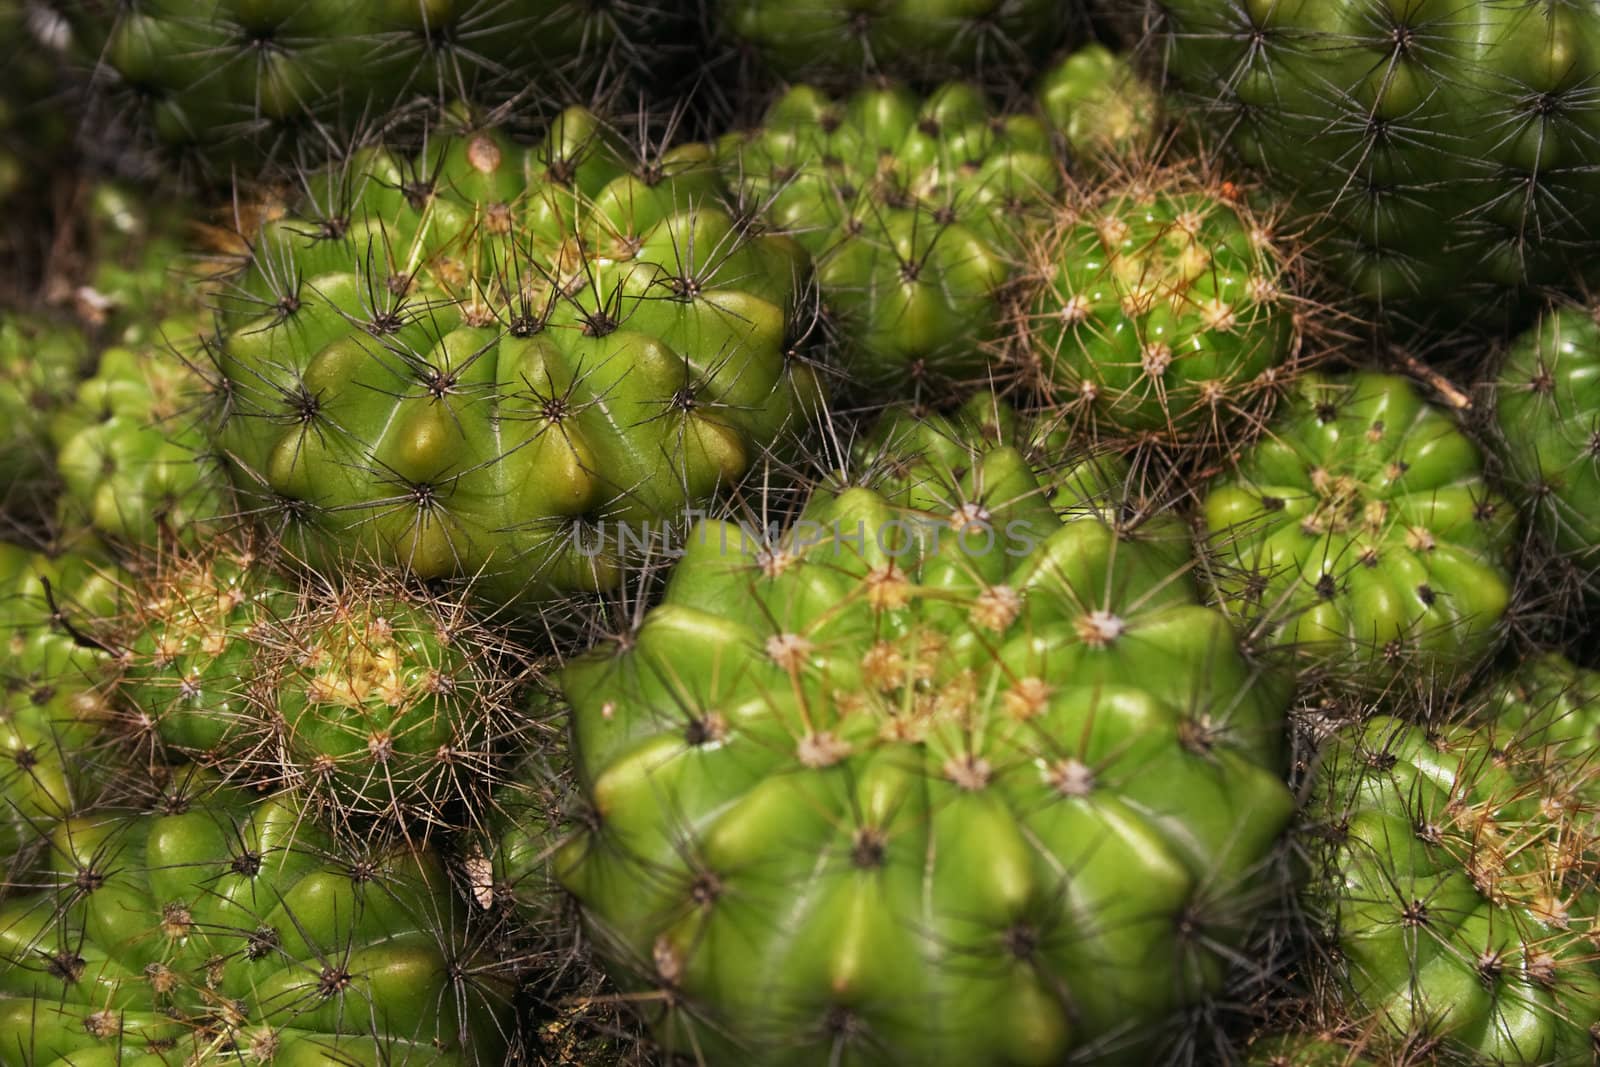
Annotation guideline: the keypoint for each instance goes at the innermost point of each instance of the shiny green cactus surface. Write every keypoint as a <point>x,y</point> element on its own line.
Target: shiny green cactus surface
<point>1445,148</point>
<point>484,361</point>
<point>943,774</point>
<point>217,928</point>
<point>1454,872</point>
<point>1547,397</point>
<point>1360,531</point>
<point>915,208</point>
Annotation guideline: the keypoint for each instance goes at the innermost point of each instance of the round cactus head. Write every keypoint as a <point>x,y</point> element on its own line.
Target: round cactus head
<point>385,704</point>
<point>1104,112</point>
<point>380,706</point>
<point>938,774</point>
<point>914,207</point>
<point>244,84</point>
<point>1161,308</point>
<point>1360,532</point>
<point>1453,877</point>
<point>220,926</point>
<point>508,364</point>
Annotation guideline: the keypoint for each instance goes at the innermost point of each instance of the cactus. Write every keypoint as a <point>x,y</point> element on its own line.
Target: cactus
<point>242,83</point>
<point>1307,1050</point>
<point>1360,533</point>
<point>386,705</point>
<point>132,452</point>
<point>1443,147</point>
<point>1103,110</point>
<point>56,753</point>
<point>914,208</point>
<point>375,704</point>
<point>1161,307</point>
<point>40,364</point>
<point>1453,877</point>
<point>485,362</point>
<point>216,928</point>
<point>839,41</point>
<point>1548,417</point>
<point>937,776</point>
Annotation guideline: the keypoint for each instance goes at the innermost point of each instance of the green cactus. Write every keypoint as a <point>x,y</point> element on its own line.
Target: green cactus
<point>486,362</point>
<point>386,706</point>
<point>40,364</point>
<point>937,776</point>
<point>1104,111</point>
<point>839,41</point>
<point>1360,532</point>
<point>1548,415</point>
<point>914,208</point>
<point>240,82</point>
<point>1454,877</point>
<point>1308,1050</point>
<point>1551,706</point>
<point>192,637</point>
<point>132,451</point>
<point>373,703</point>
<point>1446,149</point>
<point>1162,308</point>
<point>56,752</point>
<point>216,929</point>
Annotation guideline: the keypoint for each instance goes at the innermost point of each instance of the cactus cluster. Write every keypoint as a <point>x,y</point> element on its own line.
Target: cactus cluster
<point>895,549</point>
<point>214,928</point>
